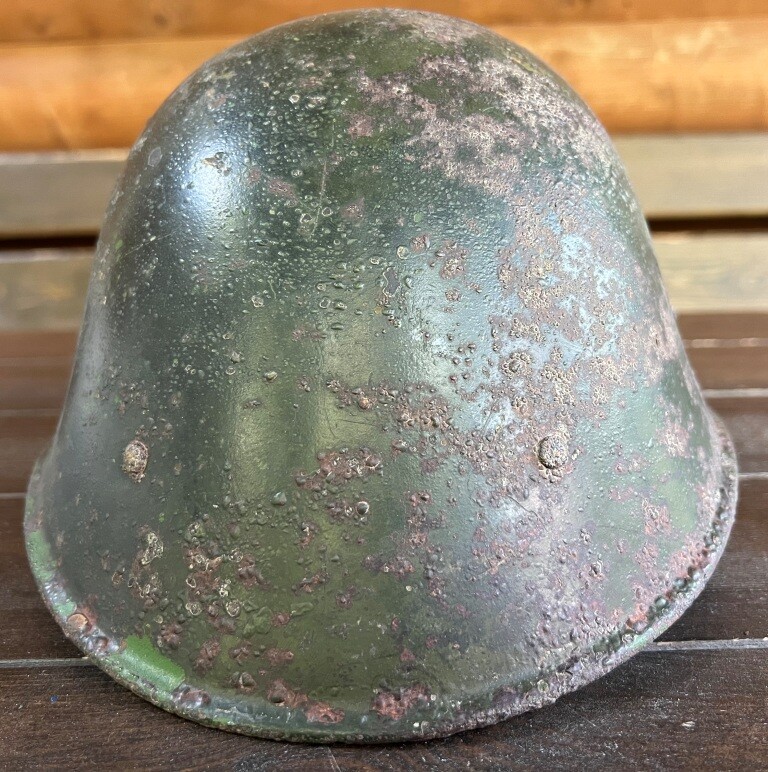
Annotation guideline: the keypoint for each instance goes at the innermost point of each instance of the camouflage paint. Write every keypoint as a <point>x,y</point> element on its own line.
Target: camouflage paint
<point>380,426</point>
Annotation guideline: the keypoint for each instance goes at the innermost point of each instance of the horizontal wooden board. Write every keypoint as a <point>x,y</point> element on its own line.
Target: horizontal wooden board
<point>45,289</point>
<point>56,193</point>
<point>715,272</point>
<point>639,76</point>
<point>39,384</point>
<point>746,419</point>
<point>27,629</point>
<point>670,710</point>
<point>33,20</point>
<point>22,439</point>
<point>698,175</point>
<point>686,176</point>
<point>731,329</point>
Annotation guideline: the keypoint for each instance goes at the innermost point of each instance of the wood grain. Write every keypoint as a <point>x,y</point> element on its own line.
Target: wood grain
<point>663,76</point>
<point>22,439</point>
<point>719,328</point>
<point>56,193</point>
<point>45,289</point>
<point>697,175</point>
<point>747,422</point>
<point>636,76</point>
<point>670,711</point>
<point>33,20</point>
<point>675,177</point>
<point>714,271</point>
<point>27,629</point>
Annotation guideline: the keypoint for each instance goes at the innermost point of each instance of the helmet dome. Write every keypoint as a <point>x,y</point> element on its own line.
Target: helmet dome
<point>380,426</point>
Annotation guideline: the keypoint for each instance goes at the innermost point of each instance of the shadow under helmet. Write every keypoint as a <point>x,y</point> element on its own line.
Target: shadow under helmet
<point>380,426</point>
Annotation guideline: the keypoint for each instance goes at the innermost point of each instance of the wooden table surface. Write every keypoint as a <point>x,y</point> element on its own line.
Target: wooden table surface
<point>697,699</point>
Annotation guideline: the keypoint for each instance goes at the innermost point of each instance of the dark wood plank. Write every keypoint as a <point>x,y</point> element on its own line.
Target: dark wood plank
<point>22,439</point>
<point>730,367</point>
<point>28,384</point>
<point>33,344</point>
<point>27,630</point>
<point>665,711</point>
<point>723,326</point>
<point>747,421</point>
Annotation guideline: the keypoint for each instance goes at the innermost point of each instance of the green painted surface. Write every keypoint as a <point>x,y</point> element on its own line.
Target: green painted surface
<point>380,425</point>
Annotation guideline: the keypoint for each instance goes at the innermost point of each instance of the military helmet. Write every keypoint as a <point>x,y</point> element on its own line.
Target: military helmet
<point>380,426</point>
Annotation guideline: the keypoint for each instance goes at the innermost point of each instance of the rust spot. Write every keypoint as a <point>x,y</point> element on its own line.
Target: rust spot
<point>135,459</point>
<point>278,657</point>
<point>323,713</point>
<point>280,693</point>
<point>79,622</point>
<point>345,599</point>
<point>188,697</point>
<point>241,652</point>
<point>394,705</point>
<point>207,655</point>
<point>280,619</point>
<point>244,682</point>
<point>170,636</point>
<point>553,451</point>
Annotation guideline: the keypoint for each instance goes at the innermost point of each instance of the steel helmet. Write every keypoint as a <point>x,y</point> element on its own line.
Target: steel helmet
<point>380,426</point>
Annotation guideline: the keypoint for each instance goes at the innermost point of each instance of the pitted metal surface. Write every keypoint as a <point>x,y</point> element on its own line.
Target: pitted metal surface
<point>380,426</point>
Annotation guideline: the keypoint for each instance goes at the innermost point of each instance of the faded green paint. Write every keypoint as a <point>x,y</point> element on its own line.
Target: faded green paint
<point>380,426</point>
<point>140,660</point>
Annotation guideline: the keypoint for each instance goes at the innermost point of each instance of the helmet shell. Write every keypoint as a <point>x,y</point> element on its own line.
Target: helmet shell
<point>380,426</point>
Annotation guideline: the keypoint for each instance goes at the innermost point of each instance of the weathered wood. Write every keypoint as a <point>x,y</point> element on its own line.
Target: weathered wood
<point>27,630</point>
<point>33,385</point>
<point>733,329</point>
<point>704,175</point>
<point>36,344</point>
<point>56,193</point>
<point>670,710</point>
<point>715,271</point>
<point>32,20</point>
<point>730,367</point>
<point>703,272</point>
<point>674,176</point>
<point>43,289</point>
<point>747,421</point>
<point>636,76</point>
<point>22,439</point>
